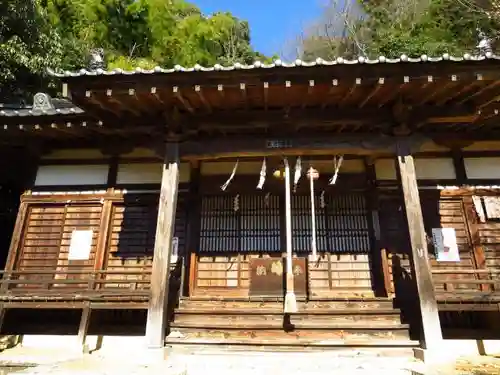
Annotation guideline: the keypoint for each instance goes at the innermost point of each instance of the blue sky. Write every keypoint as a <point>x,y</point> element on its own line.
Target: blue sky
<point>273,23</point>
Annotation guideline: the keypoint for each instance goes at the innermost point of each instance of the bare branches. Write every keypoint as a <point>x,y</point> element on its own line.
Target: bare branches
<point>336,33</point>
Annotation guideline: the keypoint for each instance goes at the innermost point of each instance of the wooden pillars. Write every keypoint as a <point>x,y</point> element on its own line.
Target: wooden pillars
<point>83,328</point>
<point>157,309</point>
<point>431,327</point>
<point>193,227</point>
<point>290,300</point>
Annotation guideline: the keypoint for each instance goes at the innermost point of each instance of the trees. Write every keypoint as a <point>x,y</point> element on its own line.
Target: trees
<point>37,34</point>
<point>27,46</point>
<point>152,32</point>
<point>393,27</point>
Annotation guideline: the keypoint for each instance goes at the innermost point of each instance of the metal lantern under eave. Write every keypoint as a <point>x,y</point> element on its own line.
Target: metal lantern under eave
<point>280,174</point>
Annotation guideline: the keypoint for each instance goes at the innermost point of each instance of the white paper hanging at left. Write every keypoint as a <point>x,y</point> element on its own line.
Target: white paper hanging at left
<point>80,245</point>
<point>226,184</point>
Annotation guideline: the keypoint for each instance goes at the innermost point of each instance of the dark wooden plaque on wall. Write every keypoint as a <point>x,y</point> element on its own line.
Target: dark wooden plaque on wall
<point>299,268</point>
<point>267,277</point>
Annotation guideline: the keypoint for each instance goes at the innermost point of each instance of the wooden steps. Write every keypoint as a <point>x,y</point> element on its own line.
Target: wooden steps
<point>249,344</point>
<point>318,323</point>
<point>238,316</point>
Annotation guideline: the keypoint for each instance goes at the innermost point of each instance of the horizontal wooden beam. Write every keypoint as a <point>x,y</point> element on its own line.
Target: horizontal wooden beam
<point>276,145</point>
<point>368,115</point>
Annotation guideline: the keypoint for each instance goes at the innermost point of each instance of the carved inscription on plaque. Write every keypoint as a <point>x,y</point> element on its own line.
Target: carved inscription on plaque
<point>267,276</point>
<point>264,280</point>
<point>278,143</point>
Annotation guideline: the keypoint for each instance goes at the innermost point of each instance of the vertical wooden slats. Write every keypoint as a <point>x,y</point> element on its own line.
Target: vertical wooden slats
<point>123,240</point>
<point>344,237</point>
<point>486,242</point>
<point>301,224</point>
<point>229,237</point>
<point>79,217</point>
<point>255,226</point>
<point>132,237</point>
<point>47,237</point>
<point>438,212</point>
<point>103,238</point>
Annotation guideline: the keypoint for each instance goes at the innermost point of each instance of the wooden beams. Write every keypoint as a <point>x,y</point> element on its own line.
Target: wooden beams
<point>17,236</point>
<point>266,95</point>
<point>290,305</point>
<point>177,93</point>
<point>243,90</point>
<point>157,311</point>
<point>348,94</point>
<point>431,327</point>
<point>193,226</point>
<point>332,88</point>
<point>374,91</point>
<point>220,91</point>
<point>198,91</point>
<point>312,117</point>
<point>310,89</point>
<point>396,92</point>
<point>102,240</point>
<point>154,93</point>
<point>445,86</point>
<point>83,328</point>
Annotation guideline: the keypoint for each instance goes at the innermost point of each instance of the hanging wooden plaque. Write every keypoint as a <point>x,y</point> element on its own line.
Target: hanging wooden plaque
<point>267,277</point>
<point>299,269</point>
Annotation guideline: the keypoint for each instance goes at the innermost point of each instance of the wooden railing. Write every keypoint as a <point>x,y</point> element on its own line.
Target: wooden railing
<point>71,281</point>
<point>452,284</point>
<point>73,285</point>
<point>467,281</point>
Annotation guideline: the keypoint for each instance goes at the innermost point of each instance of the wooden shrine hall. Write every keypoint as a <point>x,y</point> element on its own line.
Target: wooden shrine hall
<point>313,204</point>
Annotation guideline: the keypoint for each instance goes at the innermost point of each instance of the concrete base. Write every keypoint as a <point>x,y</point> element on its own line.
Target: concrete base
<point>434,357</point>
<point>125,345</point>
<point>451,350</point>
<point>123,348</point>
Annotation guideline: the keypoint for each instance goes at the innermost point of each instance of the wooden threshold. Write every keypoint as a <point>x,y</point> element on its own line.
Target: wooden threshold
<point>280,299</point>
<point>333,325</point>
<point>264,311</point>
<point>298,343</point>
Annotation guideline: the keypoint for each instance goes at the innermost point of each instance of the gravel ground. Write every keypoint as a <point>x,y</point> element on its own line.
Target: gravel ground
<point>242,363</point>
<point>263,363</point>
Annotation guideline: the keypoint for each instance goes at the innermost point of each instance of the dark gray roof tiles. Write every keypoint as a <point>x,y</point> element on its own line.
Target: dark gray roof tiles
<point>279,63</point>
<point>43,105</point>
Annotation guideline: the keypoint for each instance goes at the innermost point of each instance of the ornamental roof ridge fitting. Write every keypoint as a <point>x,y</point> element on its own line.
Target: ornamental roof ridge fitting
<point>279,63</point>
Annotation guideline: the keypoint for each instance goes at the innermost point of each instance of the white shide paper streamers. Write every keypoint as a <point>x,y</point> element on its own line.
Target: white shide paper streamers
<point>226,184</point>
<point>298,173</point>
<point>337,162</point>
<point>262,178</point>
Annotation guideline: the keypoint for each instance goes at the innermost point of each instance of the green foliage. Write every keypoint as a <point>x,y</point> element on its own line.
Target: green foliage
<point>37,34</point>
<point>394,27</point>
<point>27,45</point>
<point>153,32</point>
<point>441,26</point>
